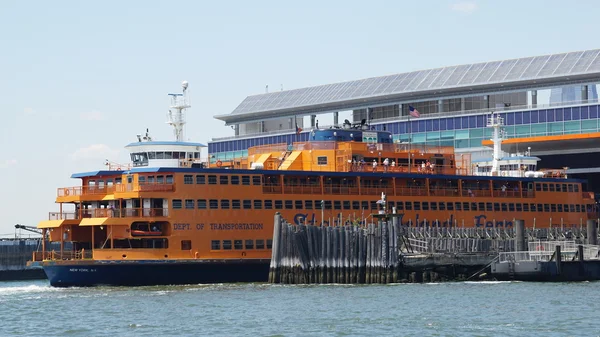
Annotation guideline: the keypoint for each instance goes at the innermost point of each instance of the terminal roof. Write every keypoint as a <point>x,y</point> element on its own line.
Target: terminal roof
<point>422,84</point>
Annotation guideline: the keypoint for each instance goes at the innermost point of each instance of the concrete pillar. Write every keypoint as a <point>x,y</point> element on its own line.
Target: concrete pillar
<point>462,104</point>
<point>584,93</point>
<point>399,109</point>
<point>313,118</point>
<point>592,232</point>
<point>237,129</point>
<point>440,105</point>
<point>336,116</point>
<point>520,236</point>
<point>534,97</point>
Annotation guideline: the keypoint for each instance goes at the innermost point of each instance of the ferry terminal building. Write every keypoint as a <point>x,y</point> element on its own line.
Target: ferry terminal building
<point>549,104</point>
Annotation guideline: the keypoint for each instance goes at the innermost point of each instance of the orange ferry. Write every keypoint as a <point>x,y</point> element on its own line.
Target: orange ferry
<point>171,218</point>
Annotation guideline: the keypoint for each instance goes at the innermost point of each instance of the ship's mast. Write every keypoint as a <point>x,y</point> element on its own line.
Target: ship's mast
<point>176,116</point>
<point>496,122</point>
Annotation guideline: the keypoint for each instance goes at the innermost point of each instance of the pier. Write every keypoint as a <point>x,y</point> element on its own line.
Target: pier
<point>14,254</point>
<point>384,251</point>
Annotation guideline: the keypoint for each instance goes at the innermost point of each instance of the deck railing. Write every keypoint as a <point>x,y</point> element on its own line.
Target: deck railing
<point>146,187</point>
<point>62,216</point>
<point>124,212</point>
<point>65,255</point>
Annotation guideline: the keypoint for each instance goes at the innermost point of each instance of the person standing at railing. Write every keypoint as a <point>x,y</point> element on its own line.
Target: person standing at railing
<point>374,165</point>
<point>393,165</point>
<point>386,163</point>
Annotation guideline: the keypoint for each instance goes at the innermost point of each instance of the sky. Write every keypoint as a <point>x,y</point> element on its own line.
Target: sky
<point>79,79</point>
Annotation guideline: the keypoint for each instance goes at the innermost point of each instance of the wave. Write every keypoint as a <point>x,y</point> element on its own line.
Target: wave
<point>32,288</point>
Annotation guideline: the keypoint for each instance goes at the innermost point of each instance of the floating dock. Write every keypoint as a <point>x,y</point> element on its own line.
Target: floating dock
<point>14,254</point>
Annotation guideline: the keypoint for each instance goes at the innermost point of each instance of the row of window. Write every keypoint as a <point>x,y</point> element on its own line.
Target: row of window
<point>373,205</point>
<point>160,179</point>
<point>201,179</point>
<point>240,244</point>
<point>550,187</point>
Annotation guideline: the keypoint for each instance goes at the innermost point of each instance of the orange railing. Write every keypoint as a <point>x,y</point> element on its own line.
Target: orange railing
<point>124,213</point>
<point>65,255</point>
<point>86,190</point>
<point>146,187</point>
<point>62,216</point>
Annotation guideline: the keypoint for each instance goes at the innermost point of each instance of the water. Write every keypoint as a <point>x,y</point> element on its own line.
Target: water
<point>33,308</point>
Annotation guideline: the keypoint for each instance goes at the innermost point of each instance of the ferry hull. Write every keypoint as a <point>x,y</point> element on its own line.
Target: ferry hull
<point>147,273</point>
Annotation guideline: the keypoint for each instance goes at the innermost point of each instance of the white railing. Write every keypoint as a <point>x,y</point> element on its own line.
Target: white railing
<point>544,251</point>
<point>418,245</point>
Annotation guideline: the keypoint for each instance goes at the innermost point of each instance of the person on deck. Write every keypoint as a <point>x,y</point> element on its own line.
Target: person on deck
<point>374,165</point>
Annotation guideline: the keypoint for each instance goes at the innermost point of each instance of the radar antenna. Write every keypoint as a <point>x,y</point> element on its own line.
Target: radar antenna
<point>176,115</point>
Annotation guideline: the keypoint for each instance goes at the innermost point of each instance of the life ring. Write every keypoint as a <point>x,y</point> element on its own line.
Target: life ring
<point>219,163</point>
<point>67,192</point>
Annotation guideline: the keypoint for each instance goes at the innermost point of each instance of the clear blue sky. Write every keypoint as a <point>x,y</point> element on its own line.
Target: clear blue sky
<point>79,79</point>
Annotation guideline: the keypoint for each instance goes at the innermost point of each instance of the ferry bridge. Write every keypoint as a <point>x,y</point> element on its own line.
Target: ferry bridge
<point>549,104</point>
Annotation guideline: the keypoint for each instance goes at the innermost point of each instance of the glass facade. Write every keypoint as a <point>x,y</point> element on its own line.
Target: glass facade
<point>460,131</point>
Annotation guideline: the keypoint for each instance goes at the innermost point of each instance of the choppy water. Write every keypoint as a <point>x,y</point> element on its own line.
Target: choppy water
<point>33,308</point>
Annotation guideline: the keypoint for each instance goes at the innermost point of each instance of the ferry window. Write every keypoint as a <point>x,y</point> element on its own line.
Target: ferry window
<point>227,244</point>
<point>551,187</point>
<point>223,180</point>
<point>129,181</point>
<point>433,205</point>
<point>564,187</point>
<point>255,180</point>
<point>347,204</point>
<point>257,204</point>
<point>225,204</point>
<point>151,155</point>
<point>570,187</point>
<point>374,205</point>
<point>118,181</point>
<point>417,205</point>
<point>278,204</point>
<point>511,207</point>
<point>201,203</point>
<point>201,179</point>
<point>160,179</point>
<point>215,245</point>
<point>245,180</point>
<point>364,205</point>
<point>473,206</point>
<point>308,204</point>
<point>553,207</point>
<point>141,179</point>
<point>408,206</point>
<point>525,207</point>
<point>212,180</point>
<point>533,207</point>
<point>235,180</point>
<point>545,187</point>
<point>450,206</point>
<point>442,206</point>
<point>177,204</point>
<point>268,204</point>
<point>269,243</point>
<point>169,179</point>
<point>150,180</point>
<point>559,207</point>
<point>298,204</point>
<point>538,187</point>
<point>237,244</point>
<point>577,208</point>
<point>260,244</point>
<point>481,206</point>
<point>188,179</point>
<point>558,187</point>
<point>546,207</point>
<point>322,160</point>
<point>425,206</point>
<point>327,204</point>
<point>289,204</point>
<point>213,203</point>
<point>160,155</point>
<point>249,244</point>
<point>337,204</point>
<point>168,155</point>
<point>186,245</point>
<point>496,206</point>
<point>235,204</point>
<point>400,206</point>
<point>390,204</point>
<point>189,204</point>
<point>247,204</point>
<point>540,207</point>
<point>457,206</point>
<point>466,206</point>
<point>576,187</point>
<point>565,207</point>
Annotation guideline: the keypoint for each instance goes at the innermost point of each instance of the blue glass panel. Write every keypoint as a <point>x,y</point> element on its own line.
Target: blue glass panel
<point>481,122</point>
<point>567,114</point>
<point>413,127</point>
<point>544,115</point>
<point>518,118</point>
<point>534,116</point>
<point>443,123</point>
<point>465,122</point>
<point>402,128</point>
<point>472,121</point>
<point>449,124</point>
<point>421,126</point>
<point>435,125</point>
<point>429,125</point>
<point>457,123</point>
<point>510,118</point>
<point>594,111</point>
<point>584,114</point>
<point>558,114</point>
<point>526,117</point>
